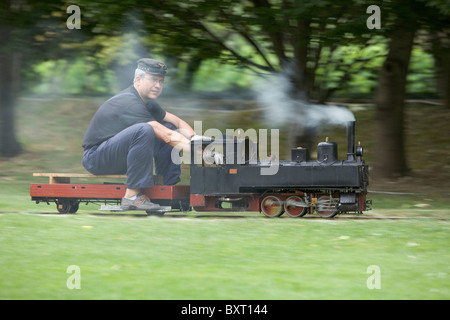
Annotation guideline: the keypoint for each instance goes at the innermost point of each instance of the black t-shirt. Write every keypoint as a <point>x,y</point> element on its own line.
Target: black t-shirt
<point>118,113</point>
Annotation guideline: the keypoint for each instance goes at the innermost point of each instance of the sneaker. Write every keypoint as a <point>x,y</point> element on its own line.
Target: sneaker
<point>142,202</point>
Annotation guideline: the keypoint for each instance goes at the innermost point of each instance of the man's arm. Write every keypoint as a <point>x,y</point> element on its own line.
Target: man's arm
<point>171,137</point>
<point>183,127</point>
<point>179,139</point>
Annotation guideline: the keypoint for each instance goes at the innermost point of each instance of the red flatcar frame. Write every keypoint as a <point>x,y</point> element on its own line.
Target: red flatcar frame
<point>60,190</point>
<point>102,191</point>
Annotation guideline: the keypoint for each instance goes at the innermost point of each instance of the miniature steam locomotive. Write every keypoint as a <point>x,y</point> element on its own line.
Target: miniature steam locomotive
<point>297,187</point>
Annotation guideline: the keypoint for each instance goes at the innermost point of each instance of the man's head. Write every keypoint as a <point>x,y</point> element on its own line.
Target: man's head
<point>149,78</point>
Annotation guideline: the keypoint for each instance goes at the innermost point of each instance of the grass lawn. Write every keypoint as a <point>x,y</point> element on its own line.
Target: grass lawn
<point>214,256</point>
<point>222,258</point>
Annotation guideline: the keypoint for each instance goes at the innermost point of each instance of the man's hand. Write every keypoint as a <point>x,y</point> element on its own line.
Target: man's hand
<point>200,138</point>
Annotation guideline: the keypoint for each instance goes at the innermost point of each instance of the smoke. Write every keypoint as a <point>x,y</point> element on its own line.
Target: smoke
<point>280,108</point>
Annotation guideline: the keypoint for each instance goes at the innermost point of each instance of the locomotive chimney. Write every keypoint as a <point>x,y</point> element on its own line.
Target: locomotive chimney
<point>351,140</point>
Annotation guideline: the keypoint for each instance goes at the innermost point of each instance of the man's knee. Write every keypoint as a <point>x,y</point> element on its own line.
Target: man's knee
<point>144,131</point>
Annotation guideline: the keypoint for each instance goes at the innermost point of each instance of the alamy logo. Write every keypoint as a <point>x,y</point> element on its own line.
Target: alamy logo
<point>374,21</point>
<point>374,280</point>
<point>213,153</point>
<point>74,280</point>
<point>74,20</point>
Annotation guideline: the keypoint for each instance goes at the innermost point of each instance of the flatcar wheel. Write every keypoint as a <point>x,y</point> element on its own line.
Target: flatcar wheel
<point>272,206</point>
<point>295,207</point>
<point>326,207</point>
<point>67,205</point>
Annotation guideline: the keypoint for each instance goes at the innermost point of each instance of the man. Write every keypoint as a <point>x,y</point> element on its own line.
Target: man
<point>130,130</point>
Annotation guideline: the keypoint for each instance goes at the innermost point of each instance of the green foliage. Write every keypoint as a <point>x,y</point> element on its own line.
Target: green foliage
<point>421,80</point>
<point>78,77</point>
<point>343,55</point>
<point>212,76</point>
<point>82,76</point>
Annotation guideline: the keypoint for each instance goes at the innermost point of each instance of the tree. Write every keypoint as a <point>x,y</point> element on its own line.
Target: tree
<point>441,52</point>
<point>9,81</point>
<point>290,36</point>
<point>280,36</point>
<point>403,19</point>
<point>285,36</point>
<point>24,28</point>
<point>390,160</point>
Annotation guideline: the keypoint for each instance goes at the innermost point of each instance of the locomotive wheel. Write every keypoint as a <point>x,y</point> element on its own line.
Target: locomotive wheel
<point>67,205</point>
<point>295,207</point>
<point>272,206</point>
<point>326,207</point>
<point>185,206</point>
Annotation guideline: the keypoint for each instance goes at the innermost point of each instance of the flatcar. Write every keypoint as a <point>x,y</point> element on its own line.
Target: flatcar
<point>299,186</point>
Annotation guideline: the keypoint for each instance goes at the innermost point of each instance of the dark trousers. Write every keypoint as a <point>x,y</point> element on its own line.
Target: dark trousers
<point>131,152</point>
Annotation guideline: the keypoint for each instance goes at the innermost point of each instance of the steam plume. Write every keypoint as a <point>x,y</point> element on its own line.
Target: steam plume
<point>281,108</point>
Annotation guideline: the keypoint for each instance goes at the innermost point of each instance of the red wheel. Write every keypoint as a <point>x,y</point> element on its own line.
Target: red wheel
<point>272,206</point>
<point>327,206</point>
<point>295,207</point>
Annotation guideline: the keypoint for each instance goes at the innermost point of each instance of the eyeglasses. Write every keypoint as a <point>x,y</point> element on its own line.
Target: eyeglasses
<point>155,80</point>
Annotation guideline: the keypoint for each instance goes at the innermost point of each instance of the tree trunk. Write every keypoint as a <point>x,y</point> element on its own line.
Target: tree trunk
<point>303,79</point>
<point>9,84</point>
<point>446,84</point>
<point>441,54</point>
<point>390,159</point>
<point>192,67</point>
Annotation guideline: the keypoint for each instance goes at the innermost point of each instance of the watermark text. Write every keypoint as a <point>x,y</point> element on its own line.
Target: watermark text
<point>74,20</point>
<point>74,280</point>
<point>374,280</point>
